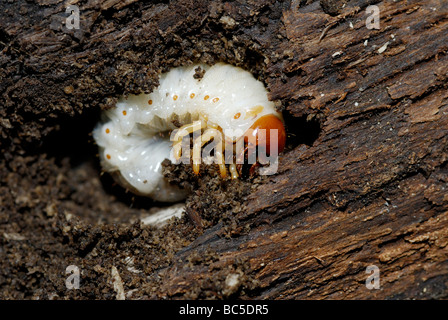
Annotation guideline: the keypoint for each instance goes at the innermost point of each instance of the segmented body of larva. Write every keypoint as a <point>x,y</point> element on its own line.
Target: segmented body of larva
<point>134,137</point>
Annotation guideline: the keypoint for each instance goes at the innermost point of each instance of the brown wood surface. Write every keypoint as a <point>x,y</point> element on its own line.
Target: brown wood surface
<point>370,189</point>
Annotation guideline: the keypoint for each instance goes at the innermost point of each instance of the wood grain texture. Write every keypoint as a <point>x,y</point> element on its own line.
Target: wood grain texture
<point>370,189</point>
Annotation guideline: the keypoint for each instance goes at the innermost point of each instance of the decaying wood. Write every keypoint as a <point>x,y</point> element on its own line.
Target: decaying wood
<point>371,189</point>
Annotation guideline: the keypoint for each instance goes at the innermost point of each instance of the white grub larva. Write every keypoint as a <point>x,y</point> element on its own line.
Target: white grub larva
<point>134,137</point>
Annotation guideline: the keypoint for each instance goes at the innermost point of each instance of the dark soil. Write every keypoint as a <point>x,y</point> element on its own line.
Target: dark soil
<point>57,208</point>
<point>362,181</point>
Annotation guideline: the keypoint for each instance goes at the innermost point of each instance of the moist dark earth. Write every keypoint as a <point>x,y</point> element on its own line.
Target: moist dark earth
<point>361,180</point>
<point>57,207</point>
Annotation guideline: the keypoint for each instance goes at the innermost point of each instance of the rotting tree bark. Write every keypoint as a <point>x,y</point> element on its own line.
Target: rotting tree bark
<point>370,190</point>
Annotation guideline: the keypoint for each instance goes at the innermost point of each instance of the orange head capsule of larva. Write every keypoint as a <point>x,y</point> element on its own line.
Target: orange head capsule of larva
<point>259,136</point>
<point>270,123</point>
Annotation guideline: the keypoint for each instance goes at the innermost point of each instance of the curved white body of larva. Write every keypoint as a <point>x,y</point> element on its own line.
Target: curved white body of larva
<point>134,137</point>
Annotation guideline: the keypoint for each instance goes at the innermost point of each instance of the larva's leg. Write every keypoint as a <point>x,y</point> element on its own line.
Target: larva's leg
<point>221,163</point>
<point>233,171</point>
<point>239,159</point>
<point>220,155</point>
<point>253,167</point>
<point>197,144</point>
<point>181,133</point>
<point>189,128</point>
<point>212,125</point>
<point>177,150</point>
<point>208,135</point>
